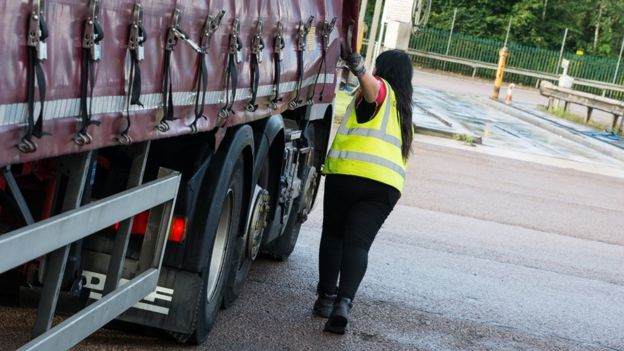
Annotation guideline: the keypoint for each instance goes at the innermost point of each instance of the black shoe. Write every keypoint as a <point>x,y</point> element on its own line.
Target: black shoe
<point>324,304</point>
<point>339,317</point>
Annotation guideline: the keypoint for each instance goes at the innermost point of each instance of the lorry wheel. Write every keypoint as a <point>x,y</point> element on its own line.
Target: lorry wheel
<point>249,244</point>
<point>224,234</point>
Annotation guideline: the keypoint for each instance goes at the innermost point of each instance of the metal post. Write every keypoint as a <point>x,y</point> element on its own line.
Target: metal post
<point>373,33</point>
<point>448,45</point>
<point>55,267</point>
<point>565,36</point>
<point>498,83</point>
<point>362,13</point>
<point>115,268</point>
<point>508,30</point>
<point>380,39</point>
<point>17,196</point>
<point>617,67</point>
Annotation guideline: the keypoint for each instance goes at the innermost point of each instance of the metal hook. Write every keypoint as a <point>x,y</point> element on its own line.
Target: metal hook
<point>27,146</point>
<point>162,126</point>
<point>124,139</point>
<point>82,139</point>
<point>251,108</point>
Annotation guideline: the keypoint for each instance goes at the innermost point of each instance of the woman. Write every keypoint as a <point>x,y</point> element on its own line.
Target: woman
<point>365,171</point>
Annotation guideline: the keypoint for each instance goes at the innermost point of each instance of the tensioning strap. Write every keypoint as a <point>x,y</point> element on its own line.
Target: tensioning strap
<point>165,114</point>
<point>231,72</point>
<point>135,46</point>
<point>257,45</point>
<point>211,25</point>
<point>326,29</point>
<point>37,54</point>
<point>302,32</point>
<point>91,54</point>
<point>278,47</point>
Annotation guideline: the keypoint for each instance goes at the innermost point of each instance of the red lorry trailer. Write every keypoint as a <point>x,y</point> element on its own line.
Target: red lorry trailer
<point>150,150</point>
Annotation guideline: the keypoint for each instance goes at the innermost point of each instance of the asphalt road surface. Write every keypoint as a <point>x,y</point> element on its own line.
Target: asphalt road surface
<point>482,252</point>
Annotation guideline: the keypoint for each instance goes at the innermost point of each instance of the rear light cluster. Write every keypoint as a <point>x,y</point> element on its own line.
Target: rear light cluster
<point>177,232</point>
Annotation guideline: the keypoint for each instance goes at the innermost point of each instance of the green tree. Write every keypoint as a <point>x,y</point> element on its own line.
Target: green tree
<point>595,26</point>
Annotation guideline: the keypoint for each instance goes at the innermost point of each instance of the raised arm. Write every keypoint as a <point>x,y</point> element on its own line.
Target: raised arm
<point>369,86</point>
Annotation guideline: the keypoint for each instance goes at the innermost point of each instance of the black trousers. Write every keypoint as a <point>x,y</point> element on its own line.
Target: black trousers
<point>354,209</point>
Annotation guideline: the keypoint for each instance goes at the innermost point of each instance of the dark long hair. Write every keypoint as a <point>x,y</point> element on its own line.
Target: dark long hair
<point>396,68</point>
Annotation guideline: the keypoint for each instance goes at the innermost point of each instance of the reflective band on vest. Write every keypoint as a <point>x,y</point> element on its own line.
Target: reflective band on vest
<point>372,149</point>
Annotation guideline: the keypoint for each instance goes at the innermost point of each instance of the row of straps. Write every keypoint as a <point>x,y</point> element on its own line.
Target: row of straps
<point>91,54</point>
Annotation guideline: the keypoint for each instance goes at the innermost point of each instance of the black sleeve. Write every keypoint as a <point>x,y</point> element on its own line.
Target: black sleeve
<point>365,111</point>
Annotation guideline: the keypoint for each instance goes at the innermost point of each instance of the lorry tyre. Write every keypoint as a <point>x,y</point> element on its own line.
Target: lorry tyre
<point>224,234</point>
<point>243,259</point>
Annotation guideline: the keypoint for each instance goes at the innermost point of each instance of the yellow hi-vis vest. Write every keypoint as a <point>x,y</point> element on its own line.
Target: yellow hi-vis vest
<point>370,150</point>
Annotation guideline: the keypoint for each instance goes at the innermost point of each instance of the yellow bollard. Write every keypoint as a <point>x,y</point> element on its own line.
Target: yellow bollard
<point>500,71</point>
<point>360,40</point>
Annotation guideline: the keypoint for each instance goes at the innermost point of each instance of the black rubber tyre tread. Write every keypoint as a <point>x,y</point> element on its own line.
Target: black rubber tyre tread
<point>208,310</point>
<point>242,264</point>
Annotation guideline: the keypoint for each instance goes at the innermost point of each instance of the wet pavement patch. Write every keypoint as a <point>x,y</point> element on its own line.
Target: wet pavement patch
<point>467,114</point>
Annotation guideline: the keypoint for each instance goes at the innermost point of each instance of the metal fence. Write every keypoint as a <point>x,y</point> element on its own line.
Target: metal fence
<point>520,56</point>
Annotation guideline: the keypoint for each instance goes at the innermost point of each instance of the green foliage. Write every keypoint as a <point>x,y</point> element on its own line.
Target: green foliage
<point>535,25</point>
<point>520,56</point>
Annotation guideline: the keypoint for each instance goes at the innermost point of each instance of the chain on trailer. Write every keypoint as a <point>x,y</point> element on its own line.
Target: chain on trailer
<point>37,54</point>
<point>326,28</point>
<point>278,47</point>
<point>302,32</point>
<point>211,25</point>
<point>230,79</point>
<point>136,39</point>
<point>91,54</point>
<point>257,45</point>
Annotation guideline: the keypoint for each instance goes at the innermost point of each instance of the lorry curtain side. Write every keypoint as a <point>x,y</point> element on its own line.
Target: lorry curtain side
<point>64,69</point>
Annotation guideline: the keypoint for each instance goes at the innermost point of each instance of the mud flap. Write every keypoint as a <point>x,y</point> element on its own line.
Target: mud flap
<point>171,307</point>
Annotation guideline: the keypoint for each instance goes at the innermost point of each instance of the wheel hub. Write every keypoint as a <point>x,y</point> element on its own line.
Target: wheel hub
<point>257,222</point>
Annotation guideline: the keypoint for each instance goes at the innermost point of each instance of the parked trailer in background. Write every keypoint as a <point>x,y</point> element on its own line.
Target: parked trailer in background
<point>152,149</point>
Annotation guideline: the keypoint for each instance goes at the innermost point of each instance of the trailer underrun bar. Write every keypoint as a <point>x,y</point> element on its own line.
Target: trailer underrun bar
<point>53,237</point>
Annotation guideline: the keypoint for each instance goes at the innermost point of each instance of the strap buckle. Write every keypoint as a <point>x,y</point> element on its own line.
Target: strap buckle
<point>326,30</point>
<point>279,40</point>
<point>235,43</point>
<point>302,32</point>
<point>91,38</point>
<point>211,26</point>
<point>176,33</point>
<point>257,44</point>
<point>136,38</point>
<point>35,32</point>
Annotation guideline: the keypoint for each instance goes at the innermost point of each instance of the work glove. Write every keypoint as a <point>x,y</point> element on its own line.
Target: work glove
<point>355,63</point>
<point>353,60</point>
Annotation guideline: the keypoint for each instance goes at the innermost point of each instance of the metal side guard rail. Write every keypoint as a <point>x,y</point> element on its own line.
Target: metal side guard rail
<point>27,243</point>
